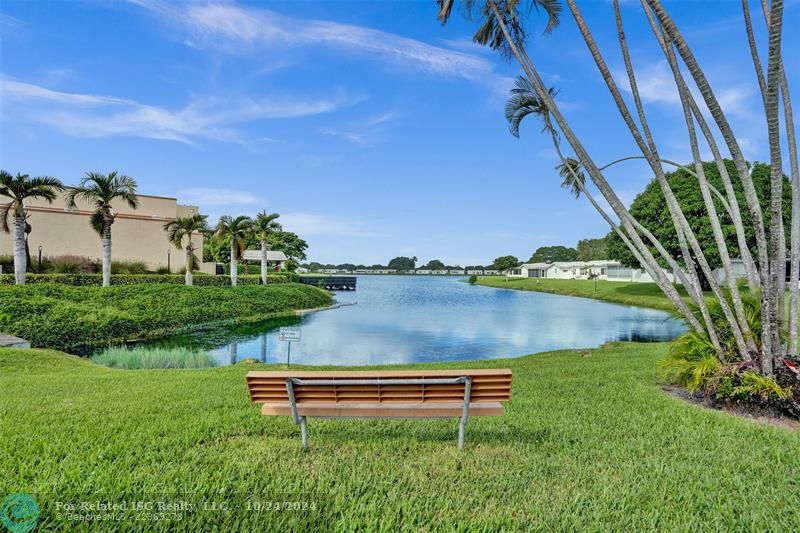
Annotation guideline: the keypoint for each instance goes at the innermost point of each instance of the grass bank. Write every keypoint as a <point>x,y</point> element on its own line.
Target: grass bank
<point>620,292</point>
<point>587,443</point>
<point>77,319</point>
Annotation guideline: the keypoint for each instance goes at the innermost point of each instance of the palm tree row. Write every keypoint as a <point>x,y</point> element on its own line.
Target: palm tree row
<point>240,230</point>
<point>100,190</point>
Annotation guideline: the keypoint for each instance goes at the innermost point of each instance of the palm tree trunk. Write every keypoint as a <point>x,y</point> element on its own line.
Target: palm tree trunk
<point>686,236</point>
<point>772,109</point>
<point>264,262</point>
<point>733,209</point>
<point>20,257</point>
<point>599,180</point>
<point>189,251</point>
<point>234,264</point>
<point>768,324</point>
<point>794,228</point>
<point>106,241</point>
<point>716,227</point>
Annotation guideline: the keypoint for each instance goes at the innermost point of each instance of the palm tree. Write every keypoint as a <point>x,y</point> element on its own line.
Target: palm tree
<point>101,190</point>
<point>264,225</point>
<point>237,230</point>
<point>183,228</point>
<point>18,189</point>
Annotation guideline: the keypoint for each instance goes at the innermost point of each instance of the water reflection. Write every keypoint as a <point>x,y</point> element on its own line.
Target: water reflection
<point>416,319</point>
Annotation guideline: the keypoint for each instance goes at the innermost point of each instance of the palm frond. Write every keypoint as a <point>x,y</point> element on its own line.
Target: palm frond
<point>571,174</point>
<point>524,102</point>
<point>4,212</point>
<point>97,222</point>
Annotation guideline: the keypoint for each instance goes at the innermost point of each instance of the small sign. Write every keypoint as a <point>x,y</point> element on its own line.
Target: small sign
<point>289,334</point>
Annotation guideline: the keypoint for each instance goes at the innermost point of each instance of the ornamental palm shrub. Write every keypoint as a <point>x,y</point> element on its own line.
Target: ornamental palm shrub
<point>694,363</point>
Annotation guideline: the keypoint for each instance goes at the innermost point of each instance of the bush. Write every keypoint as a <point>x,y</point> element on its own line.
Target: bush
<point>693,362</point>
<point>70,264</point>
<point>80,319</point>
<point>473,279</point>
<point>128,267</point>
<point>202,280</point>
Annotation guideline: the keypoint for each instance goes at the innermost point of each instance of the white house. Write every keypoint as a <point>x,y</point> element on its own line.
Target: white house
<point>275,258</point>
<point>602,269</point>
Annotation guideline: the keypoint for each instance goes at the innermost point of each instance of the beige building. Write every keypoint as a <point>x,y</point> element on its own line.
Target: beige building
<point>137,234</point>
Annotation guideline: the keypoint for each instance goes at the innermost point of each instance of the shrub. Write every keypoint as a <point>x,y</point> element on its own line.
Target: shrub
<point>71,264</point>
<point>143,357</point>
<point>128,267</point>
<point>79,319</point>
<point>473,279</point>
<point>694,363</point>
<point>149,279</point>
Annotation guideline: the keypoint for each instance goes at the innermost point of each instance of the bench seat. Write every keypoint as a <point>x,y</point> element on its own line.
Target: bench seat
<point>381,394</point>
<point>384,410</point>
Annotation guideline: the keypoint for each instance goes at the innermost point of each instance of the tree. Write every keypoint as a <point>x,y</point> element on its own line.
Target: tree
<point>647,207</point>
<point>592,249</point>
<point>265,225</point>
<point>551,254</point>
<point>289,243</point>
<point>101,190</point>
<point>434,264</point>
<point>237,231</point>
<point>505,262</point>
<point>183,228</point>
<point>18,189</point>
<point>403,263</point>
<point>502,27</point>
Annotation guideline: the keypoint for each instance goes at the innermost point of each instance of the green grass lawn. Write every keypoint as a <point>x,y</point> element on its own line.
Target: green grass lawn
<point>588,442</point>
<point>79,319</point>
<point>621,292</point>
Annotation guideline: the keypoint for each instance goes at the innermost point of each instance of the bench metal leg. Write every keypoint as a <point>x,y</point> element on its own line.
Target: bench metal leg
<point>462,423</point>
<point>304,432</point>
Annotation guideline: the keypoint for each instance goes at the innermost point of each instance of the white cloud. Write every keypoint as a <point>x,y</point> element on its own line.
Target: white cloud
<point>320,224</point>
<point>365,131</point>
<point>657,85</point>
<point>236,28</point>
<point>93,116</point>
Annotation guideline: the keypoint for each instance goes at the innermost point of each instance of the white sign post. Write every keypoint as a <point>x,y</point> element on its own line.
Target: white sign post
<point>289,335</point>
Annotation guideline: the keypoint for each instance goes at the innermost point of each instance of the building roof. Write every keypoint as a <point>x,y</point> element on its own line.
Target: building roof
<point>272,255</point>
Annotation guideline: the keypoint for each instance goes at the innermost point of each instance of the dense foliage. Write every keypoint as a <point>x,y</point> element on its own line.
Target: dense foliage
<point>592,249</point>
<point>505,262</point>
<point>402,263</point>
<point>588,442</point>
<point>149,279</point>
<point>75,319</point>
<point>649,209</point>
<point>552,254</point>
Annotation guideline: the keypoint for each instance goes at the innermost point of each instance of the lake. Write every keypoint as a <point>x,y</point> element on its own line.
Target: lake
<point>413,319</point>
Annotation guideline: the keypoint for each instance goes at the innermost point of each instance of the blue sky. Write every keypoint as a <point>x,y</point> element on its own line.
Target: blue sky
<point>372,129</point>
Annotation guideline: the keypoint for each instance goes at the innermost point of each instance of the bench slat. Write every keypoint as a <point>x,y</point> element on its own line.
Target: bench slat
<point>392,410</point>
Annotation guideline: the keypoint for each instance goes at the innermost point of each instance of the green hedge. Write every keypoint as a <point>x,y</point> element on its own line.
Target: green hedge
<point>203,280</point>
<point>80,319</point>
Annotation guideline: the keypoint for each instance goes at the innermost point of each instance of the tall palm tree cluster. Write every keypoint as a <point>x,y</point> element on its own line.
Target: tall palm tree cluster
<point>728,326</point>
<point>240,230</point>
<point>100,191</point>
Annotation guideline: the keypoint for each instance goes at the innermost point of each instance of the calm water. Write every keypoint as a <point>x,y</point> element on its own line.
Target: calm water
<point>410,319</point>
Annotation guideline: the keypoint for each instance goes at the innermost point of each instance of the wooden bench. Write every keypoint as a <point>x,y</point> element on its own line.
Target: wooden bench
<point>381,394</point>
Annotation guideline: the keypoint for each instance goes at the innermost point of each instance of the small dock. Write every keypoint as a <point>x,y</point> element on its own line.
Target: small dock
<point>331,283</point>
<point>10,341</point>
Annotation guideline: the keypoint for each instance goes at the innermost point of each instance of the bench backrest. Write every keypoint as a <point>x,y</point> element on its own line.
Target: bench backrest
<point>488,385</point>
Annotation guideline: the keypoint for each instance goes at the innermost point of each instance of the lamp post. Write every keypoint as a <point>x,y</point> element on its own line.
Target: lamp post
<point>168,261</point>
<point>39,268</point>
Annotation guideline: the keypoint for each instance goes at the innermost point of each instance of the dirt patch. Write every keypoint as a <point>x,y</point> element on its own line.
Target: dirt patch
<point>753,413</point>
